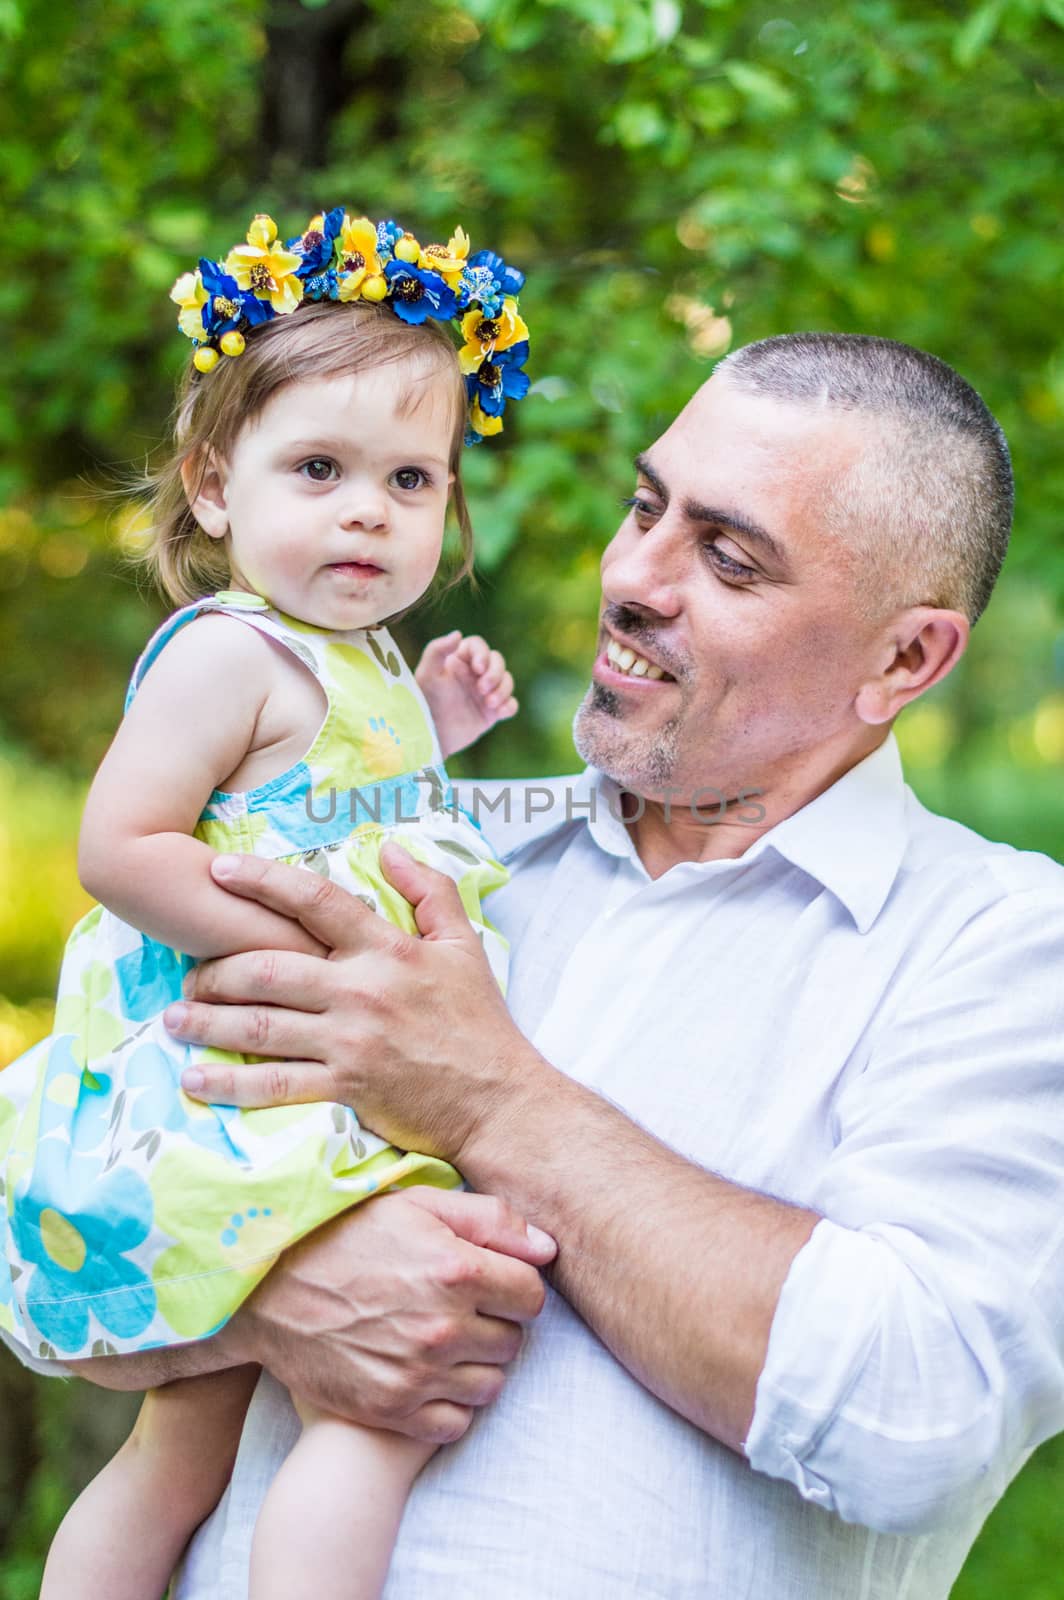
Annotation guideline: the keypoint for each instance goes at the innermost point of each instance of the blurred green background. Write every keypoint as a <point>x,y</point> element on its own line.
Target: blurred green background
<point>677,179</point>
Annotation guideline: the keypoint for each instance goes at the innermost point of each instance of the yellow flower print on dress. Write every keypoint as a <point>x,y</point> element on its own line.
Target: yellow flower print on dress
<point>200,1282</point>
<point>86,1016</point>
<point>393,739</point>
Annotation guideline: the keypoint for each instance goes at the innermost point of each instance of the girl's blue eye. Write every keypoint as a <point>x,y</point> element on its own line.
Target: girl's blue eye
<point>409,478</point>
<point>310,469</point>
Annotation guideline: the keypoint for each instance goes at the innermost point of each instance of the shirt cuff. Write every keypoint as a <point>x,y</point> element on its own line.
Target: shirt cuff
<point>809,1369</point>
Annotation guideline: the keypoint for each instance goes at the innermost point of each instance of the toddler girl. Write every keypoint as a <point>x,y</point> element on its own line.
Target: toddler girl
<point>317,449</point>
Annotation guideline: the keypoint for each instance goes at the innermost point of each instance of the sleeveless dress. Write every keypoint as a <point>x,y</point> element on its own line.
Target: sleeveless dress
<point>131,1216</point>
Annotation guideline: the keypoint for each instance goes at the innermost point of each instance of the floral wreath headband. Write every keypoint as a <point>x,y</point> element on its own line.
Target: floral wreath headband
<point>346,258</point>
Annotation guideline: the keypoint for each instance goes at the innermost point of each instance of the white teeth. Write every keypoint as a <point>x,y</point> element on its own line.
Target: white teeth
<point>626,660</point>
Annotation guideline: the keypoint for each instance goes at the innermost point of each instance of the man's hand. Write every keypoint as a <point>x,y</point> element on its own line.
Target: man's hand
<point>467,687</point>
<point>402,1313</point>
<point>413,1033</point>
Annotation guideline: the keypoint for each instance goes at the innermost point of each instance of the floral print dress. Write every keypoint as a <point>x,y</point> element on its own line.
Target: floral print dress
<point>131,1216</point>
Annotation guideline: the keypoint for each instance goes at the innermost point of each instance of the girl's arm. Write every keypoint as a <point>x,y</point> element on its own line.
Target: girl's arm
<point>194,719</point>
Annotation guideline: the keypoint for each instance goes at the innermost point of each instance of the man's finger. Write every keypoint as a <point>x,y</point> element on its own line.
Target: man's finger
<point>335,917</point>
<point>492,1341</point>
<point>471,1383</point>
<point>437,907</point>
<point>487,1221</point>
<point>277,977</point>
<point>437,1422</point>
<point>253,1084</point>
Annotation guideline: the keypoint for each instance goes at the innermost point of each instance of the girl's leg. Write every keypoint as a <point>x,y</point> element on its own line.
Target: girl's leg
<point>329,1522</point>
<point>122,1538</point>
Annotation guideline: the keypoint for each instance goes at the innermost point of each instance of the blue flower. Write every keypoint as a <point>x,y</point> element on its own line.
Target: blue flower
<point>161,1104</point>
<point>316,245</point>
<point>509,279</point>
<point>415,295</point>
<point>322,286</point>
<point>477,287</point>
<point>499,380</point>
<point>74,1226</point>
<point>228,305</point>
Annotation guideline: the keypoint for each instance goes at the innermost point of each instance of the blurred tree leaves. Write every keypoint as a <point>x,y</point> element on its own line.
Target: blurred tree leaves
<point>676,178</point>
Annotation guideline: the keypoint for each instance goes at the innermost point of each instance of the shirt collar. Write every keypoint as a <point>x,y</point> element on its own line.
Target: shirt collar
<point>851,838</point>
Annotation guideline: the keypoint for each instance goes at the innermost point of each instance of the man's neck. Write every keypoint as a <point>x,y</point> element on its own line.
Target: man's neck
<point>664,833</point>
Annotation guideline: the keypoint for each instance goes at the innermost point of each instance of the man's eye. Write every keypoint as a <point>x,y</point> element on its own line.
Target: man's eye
<point>409,478</point>
<point>727,565</point>
<point>318,470</point>
<point>641,507</point>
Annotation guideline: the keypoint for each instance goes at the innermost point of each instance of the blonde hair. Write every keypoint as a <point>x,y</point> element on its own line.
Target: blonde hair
<point>320,340</point>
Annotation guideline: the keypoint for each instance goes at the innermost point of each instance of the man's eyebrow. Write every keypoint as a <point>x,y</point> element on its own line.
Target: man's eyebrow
<point>734,521</point>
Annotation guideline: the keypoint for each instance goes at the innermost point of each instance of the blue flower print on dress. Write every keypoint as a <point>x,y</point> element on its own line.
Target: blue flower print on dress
<point>76,1099</point>
<point>149,978</point>
<point>160,1103</point>
<point>75,1225</point>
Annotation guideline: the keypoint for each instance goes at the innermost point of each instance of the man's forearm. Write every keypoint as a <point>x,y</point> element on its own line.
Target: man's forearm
<point>677,1270</point>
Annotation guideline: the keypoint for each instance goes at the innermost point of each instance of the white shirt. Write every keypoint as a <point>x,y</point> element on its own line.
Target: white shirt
<point>863,1014</point>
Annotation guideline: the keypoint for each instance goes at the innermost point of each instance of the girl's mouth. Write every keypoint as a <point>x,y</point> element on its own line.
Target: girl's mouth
<point>356,569</point>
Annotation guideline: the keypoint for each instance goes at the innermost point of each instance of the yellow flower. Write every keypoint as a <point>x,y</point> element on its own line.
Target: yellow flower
<point>482,334</point>
<point>356,256</point>
<point>188,293</point>
<point>448,259</point>
<point>269,272</point>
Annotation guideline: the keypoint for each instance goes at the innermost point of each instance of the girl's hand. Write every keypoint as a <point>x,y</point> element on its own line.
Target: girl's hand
<point>467,687</point>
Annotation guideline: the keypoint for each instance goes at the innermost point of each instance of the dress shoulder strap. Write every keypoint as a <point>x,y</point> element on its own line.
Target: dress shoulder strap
<point>249,608</point>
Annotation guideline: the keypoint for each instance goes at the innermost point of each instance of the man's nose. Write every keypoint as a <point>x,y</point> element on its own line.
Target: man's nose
<point>643,570</point>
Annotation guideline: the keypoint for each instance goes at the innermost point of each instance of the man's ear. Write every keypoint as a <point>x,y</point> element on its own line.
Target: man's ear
<point>203,476</point>
<point>923,645</point>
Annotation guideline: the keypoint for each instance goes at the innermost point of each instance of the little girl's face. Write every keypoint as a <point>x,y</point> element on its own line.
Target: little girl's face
<point>333,500</point>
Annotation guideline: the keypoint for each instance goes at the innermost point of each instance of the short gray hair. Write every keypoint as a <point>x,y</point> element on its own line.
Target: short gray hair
<point>928,507</point>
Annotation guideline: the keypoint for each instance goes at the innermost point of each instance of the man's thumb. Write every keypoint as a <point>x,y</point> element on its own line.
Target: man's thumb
<point>438,909</point>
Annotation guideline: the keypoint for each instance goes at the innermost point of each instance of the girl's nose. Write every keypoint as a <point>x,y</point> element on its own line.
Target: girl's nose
<point>365,506</point>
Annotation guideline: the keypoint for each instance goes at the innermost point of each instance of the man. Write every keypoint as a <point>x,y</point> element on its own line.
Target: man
<point>783,1080</point>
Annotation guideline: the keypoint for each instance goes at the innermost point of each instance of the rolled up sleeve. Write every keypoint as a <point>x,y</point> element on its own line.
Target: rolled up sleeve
<point>917,1351</point>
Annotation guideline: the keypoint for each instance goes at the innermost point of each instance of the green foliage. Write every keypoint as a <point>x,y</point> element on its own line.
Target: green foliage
<point>676,178</point>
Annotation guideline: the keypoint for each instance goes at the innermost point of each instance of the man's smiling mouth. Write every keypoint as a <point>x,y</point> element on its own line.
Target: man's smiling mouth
<point>623,659</point>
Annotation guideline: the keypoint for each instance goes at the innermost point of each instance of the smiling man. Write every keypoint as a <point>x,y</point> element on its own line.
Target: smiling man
<point>783,1075</point>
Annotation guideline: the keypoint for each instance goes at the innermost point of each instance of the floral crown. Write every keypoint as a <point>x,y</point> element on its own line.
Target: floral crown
<point>346,258</point>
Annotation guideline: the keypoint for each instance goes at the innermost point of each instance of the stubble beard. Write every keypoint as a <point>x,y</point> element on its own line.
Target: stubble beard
<point>642,762</point>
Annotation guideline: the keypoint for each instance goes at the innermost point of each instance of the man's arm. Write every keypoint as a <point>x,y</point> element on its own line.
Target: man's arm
<point>677,1270</point>
<point>915,1347</point>
<point>400,1314</point>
